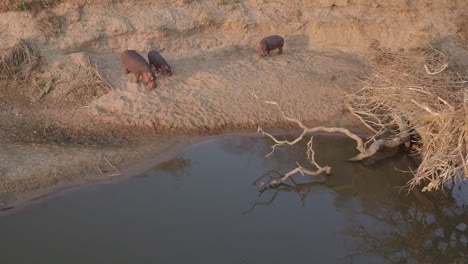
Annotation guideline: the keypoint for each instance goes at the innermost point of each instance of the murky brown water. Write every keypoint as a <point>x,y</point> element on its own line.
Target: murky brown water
<point>202,208</point>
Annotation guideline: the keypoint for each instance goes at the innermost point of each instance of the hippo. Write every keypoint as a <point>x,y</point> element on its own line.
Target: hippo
<point>136,64</point>
<point>160,64</point>
<point>270,43</point>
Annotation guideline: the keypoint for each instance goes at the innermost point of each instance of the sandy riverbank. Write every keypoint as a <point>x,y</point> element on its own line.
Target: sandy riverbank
<point>63,136</point>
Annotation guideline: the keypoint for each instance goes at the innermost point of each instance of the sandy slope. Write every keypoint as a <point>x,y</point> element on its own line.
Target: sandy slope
<point>215,90</point>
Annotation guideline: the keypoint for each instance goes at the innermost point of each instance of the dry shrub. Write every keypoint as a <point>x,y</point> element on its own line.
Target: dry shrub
<point>18,62</point>
<point>84,83</point>
<point>417,94</point>
<point>43,87</point>
<point>26,5</point>
<point>49,24</point>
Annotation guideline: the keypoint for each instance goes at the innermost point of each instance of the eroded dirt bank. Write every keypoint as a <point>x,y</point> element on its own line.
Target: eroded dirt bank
<point>56,125</point>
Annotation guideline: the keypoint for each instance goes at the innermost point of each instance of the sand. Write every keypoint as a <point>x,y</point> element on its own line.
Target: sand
<point>217,90</point>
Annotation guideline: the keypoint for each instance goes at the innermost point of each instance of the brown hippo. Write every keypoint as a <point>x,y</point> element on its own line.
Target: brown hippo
<point>136,64</point>
<point>270,43</point>
<point>160,64</point>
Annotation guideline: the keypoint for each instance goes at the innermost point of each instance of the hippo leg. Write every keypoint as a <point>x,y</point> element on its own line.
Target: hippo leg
<point>280,50</point>
<point>137,78</point>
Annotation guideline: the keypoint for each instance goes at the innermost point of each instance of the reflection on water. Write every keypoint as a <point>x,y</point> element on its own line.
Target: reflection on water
<point>178,167</point>
<point>204,207</point>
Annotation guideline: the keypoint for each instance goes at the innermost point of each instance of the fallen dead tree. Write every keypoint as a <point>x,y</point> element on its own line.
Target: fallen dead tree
<point>413,99</point>
<point>365,149</point>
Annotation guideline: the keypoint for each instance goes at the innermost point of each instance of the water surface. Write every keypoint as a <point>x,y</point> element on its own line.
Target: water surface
<point>202,207</point>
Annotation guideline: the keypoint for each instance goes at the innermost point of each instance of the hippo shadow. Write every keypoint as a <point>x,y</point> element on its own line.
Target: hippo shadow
<point>186,68</point>
<point>296,43</point>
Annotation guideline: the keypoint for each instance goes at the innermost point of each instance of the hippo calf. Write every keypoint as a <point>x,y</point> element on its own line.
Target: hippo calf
<point>136,64</point>
<point>270,43</point>
<point>160,64</point>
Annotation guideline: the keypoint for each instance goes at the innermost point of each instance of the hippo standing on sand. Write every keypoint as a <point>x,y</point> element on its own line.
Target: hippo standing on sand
<point>160,64</point>
<point>270,43</point>
<point>136,64</point>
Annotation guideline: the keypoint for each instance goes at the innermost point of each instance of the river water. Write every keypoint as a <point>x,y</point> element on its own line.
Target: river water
<point>204,207</point>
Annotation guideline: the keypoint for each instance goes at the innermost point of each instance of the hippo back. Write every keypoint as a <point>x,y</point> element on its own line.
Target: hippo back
<point>134,61</point>
<point>274,41</point>
<point>156,59</point>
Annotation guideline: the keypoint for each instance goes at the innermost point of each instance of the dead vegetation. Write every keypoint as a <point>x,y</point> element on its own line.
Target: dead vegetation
<point>210,21</point>
<point>44,86</point>
<point>298,169</point>
<point>83,82</point>
<point>18,63</point>
<point>76,82</point>
<point>417,94</point>
<point>164,30</point>
<point>188,2</point>
<point>228,2</point>
<point>26,5</point>
<point>107,168</point>
<point>49,24</point>
<point>411,98</point>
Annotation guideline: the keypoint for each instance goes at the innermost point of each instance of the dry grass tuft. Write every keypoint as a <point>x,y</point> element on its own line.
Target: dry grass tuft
<point>49,24</point>
<point>210,22</point>
<point>164,30</point>
<point>85,83</point>
<point>228,2</point>
<point>18,62</point>
<point>417,94</point>
<point>188,2</point>
<point>44,86</point>
<point>26,5</point>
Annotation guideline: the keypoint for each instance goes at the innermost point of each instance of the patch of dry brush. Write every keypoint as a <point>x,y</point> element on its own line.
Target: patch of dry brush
<point>18,62</point>
<point>84,81</point>
<point>26,5</point>
<point>49,24</point>
<point>418,95</point>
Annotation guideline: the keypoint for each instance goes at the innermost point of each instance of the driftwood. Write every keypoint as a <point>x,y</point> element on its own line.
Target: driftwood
<point>299,168</point>
<point>364,152</point>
